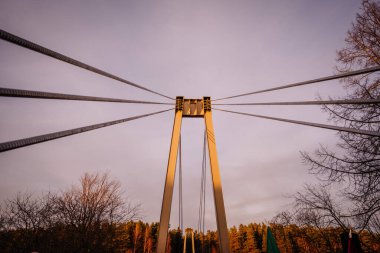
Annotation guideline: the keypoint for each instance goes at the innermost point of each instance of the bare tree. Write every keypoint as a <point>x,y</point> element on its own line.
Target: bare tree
<point>81,219</point>
<point>284,218</point>
<point>92,207</point>
<point>356,170</point>
<point>316,206</point>
<point>2,219</point>
<point>29,215</point>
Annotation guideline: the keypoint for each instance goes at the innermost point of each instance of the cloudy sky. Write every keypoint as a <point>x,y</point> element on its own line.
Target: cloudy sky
<point>178,48</point>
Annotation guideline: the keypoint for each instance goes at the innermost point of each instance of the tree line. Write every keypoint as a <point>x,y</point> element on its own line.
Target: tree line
<point>93,216</point>
<point>140,237</point>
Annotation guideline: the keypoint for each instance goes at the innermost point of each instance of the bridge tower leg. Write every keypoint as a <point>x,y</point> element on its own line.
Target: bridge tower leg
<point>169,182</point>
<point>221,220</point>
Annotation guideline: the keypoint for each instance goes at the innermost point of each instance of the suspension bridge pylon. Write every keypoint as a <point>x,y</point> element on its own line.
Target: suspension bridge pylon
<point>193,108</point>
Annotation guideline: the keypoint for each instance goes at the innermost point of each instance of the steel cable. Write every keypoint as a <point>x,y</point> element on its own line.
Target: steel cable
<point>204,186</point>
<point>6,92</point>
<point>5,146</point>
<point>43,50</point>
<point>342,129</point>
<point>323,79</point>
<point>320,102</point>
<point>180,210</point>
<point>202,199</point>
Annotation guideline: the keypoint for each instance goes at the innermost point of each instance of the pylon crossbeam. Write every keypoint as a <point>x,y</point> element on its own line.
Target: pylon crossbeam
<point>193,108</point>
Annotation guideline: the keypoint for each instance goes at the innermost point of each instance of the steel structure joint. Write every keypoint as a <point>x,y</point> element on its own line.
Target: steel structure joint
<point>178,103</point>
<point>207,104</point>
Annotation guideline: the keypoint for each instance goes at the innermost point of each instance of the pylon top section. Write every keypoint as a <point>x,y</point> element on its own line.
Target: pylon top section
<point>193,108</point>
